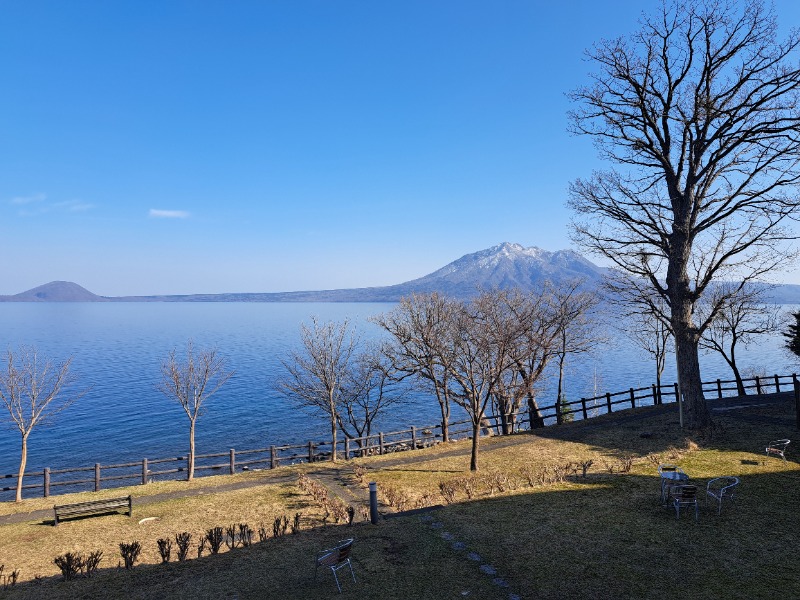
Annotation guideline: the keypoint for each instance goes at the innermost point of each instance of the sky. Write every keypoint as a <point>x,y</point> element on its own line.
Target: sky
<point>172,147</point>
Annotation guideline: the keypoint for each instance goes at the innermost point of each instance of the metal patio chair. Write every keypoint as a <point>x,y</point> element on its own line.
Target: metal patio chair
<point>721,488</point>
<point>670,475</point>
<point>684,495</point>
<point>335,558</point>
<point>778,448</point>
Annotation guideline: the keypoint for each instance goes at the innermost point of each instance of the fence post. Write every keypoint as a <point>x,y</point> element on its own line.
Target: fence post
<point>796,399</point>
<point>96,477</point>
<point>758,385</point>
<point>273,458</point>
<point>583,409</point>
<point>633,399</point>
<point>608,401</point>
<point>46,482</point>
<point>777,385</point>
<point>413,438</point>
<point>311,450</point>
<point>233,461</point>
<point>144,471</point>
<point>719,389</point>
<point>347,448</point>
<point>380,443</point>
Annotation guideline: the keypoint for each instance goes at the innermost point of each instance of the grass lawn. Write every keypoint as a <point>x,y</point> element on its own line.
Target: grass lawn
<point>548,530</point>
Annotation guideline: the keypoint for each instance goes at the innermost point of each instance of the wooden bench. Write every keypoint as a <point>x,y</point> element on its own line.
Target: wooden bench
<point>94,507</point>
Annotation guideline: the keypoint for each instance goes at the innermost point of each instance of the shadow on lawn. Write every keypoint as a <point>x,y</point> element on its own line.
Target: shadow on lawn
<point>657,430</point>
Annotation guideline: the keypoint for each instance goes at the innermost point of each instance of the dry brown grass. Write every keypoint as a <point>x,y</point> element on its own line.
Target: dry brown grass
<point>599,536</point>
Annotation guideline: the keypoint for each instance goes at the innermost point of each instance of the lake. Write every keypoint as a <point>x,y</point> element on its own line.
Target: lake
<point>118,348</point>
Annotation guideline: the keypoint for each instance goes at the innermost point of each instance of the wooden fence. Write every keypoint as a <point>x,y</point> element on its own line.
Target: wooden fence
<point>413,438</point>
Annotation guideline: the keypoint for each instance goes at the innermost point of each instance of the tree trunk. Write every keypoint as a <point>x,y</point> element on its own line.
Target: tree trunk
<point>682,307</point>
<point>444,405</point>
<point>504,428</point>
<point>738,376</point>
<point>536,419</point>
<point>190,476</point>
<point>696,411</point>
<point>333,438</point>
<point>476,436</point>
<point>23,460</point>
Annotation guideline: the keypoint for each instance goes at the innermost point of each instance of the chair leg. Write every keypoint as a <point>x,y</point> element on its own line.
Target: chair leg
<point>349,564</point>
<point>338,587</point>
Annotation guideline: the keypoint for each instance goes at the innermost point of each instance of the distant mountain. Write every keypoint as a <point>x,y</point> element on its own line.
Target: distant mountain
<point>502,266</point>
<point>56,291</point>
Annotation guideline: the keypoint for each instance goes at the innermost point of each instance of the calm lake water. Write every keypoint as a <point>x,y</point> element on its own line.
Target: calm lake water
<point>117,349</point>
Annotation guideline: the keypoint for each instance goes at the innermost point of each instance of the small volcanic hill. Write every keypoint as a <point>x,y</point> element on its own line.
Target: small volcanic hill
<point>55,291</point>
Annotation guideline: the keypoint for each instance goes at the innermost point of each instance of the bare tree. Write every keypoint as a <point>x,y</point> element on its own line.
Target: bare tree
<point>369,388</point>
<point>577,329</point>
<point>479,356</point>
<point>742,318</point>
<point>317,374</point>
<point>191,382</point>
<point>699,112</point>
<point>419,327</point>
<point>31,390</point>
<point>652,335</point>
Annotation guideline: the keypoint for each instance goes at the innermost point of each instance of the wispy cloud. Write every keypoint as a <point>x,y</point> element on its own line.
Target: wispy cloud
<point>73,205</point>
<point>32,199</point>
<point>37,204</point>
<point>157,213</point>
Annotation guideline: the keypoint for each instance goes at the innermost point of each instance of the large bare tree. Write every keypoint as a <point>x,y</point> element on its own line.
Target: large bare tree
<point>33,389</point>
<point>191,381</point>
<point>698,112</point>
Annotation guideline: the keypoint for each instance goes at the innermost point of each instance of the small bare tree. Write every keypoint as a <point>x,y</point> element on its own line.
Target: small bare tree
<point>577,330</point>
<point>743,316</point>
<point>31,390</point>
<point>191,382</point>
<point>317,374</point>
<point>368,390</point>
<point>419,327</point>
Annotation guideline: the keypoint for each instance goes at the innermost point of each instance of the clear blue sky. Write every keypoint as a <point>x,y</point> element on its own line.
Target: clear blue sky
<point>164,147</point>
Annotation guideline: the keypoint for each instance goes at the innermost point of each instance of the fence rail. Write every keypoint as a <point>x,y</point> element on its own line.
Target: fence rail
<point>415,437</point>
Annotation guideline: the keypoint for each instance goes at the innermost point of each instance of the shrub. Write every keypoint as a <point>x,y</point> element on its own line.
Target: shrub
<point>92,561</point>
<point>448,491</point>
<point>70,564</point>
<point>183,540</point>
<point>214,538</point>
<point>130,552</point>
<point>164,549</point>
<point>245,534</point>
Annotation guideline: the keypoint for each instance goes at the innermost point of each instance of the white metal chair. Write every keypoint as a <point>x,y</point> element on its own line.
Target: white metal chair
<point>335,558</point>
<point>670,475</point>
<point>684,495</point>
<point>721,488</point>
<point>778,448</point>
